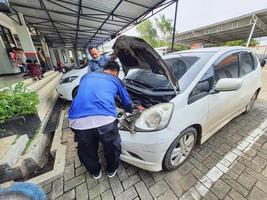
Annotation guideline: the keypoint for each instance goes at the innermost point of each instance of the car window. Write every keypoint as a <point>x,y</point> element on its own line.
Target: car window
<point>246,63</point>
<point>187,64</point>
<point>203,87</point>
<point>227,68</point>
<point>181,64</point>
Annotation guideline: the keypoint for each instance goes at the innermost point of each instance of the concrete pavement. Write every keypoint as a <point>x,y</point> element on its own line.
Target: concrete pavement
<point>231,165</point>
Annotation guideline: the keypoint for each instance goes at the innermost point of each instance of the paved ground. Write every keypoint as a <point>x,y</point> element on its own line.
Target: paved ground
<point>231,165</point>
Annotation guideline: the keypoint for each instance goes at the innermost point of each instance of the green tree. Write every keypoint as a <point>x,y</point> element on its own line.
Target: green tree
<point>164,26</point>
<point>253,43</point>
<point>148,32</point>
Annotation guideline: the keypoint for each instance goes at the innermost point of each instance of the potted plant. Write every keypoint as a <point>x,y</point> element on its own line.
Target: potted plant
<point>18,111</point>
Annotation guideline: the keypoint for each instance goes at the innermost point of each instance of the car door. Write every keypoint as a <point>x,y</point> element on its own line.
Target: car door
<point>223,105</point>
<point>250,78</point>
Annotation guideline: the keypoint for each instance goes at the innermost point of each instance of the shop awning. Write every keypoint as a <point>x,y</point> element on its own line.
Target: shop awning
<point>83,23</point>
<point>232,29</point>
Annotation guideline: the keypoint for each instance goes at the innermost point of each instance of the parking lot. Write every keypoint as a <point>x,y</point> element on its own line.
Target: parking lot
<point>232,164</point>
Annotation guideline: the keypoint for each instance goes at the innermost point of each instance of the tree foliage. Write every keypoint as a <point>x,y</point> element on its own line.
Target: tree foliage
<point>253,43</point>
<point>148,32</point>
<point>164,26</point>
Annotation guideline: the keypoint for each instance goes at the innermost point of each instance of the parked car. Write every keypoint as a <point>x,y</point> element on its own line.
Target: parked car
<point>69,83</point>
<point>188,97</point>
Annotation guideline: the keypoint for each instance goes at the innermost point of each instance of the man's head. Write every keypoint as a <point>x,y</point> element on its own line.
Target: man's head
<point>35,62</point>
<point>112,67</point>
<point>95,54</point>
<point>28,61</point>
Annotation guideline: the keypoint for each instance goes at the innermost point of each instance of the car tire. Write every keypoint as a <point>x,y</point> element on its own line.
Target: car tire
<point>74,92</point>
<point>251,102</point>
<point>180,149</point>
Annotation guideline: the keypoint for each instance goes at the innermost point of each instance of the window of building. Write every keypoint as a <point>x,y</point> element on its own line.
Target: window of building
<point>65,60</point>
<point>7,37</point>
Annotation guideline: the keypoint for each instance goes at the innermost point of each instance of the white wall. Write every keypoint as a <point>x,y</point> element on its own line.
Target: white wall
<point>6,67</point>
<point>7,22</point>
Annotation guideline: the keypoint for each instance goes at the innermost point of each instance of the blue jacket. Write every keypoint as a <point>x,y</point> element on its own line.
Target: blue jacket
<point>96,94</point>
<point>97,66</point>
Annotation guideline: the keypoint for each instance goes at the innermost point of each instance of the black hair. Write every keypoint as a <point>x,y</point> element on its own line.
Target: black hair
<point>112,65</point>
<point>38,49</point>
<point>28,61</point>
<point>35,61</point>
<point>90,48</point>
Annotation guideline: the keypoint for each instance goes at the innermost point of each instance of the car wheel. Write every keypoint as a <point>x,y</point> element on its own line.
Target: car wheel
<point>251,103</point>
<point>74,92</point>
<point>180,149</point>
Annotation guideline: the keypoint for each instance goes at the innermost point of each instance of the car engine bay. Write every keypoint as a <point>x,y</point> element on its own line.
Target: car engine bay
<point>139,98</point>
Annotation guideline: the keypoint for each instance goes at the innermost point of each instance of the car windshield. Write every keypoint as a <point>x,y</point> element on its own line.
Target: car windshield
<point>83,65</point>
<point>185,67</point>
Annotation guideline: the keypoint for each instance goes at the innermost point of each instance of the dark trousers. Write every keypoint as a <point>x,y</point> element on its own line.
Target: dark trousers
<point>88,142</point>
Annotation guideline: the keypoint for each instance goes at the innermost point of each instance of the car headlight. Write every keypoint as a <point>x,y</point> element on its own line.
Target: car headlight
<point>69,79</point>
<point>155,118</point>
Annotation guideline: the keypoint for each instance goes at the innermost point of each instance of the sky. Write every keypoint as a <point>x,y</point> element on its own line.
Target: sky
<point>197,13</point>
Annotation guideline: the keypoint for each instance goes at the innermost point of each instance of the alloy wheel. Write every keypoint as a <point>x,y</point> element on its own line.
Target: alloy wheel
<point>182,149</point>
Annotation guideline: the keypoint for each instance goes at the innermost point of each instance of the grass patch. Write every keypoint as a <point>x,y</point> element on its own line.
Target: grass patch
<point>14,142</point>
<point>30,141</point>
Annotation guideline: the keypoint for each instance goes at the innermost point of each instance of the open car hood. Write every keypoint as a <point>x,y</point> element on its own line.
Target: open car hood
<point>135,53</point>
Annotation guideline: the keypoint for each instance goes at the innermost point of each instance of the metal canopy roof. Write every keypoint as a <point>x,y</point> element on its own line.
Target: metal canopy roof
<point>82,23</point>
<point>233,29</point>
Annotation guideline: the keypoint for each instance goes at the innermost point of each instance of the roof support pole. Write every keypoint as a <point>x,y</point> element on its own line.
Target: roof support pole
<point>264,52</point>
<point>76,56</point>
<point>174,26</point>
<point>252,30</point>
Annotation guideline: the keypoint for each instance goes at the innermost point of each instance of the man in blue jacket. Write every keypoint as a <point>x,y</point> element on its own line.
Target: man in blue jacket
<point>92,117</point>
<point>98,61</point>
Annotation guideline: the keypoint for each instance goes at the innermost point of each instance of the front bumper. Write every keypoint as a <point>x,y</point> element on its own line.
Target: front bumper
<point>65,91</point>
<point>146,149</point>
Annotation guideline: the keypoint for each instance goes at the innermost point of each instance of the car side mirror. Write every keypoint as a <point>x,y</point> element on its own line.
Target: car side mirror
<point>228,84</point>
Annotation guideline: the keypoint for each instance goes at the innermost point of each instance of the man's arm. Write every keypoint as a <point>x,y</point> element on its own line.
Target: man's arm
<point>89,68</point>
<point>125,98</point>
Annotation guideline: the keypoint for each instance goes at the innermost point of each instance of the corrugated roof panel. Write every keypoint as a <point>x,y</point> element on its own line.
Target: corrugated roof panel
<point>63,7</point>
<point>111,28</point>
<point>129,9</point>
<point>147,3</point>
<point>65,26</point>
<point>232,29</point>
<point>104,5</point>
<point>98,19</point>
<point>33,3</point>
<point>63,18</point>
<point>87,11</point>
<point>32,12</point>
<point>85,24</point>
<point>35,20</point>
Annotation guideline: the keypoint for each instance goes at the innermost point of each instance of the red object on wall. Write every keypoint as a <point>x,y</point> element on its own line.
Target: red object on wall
<point>13,56</point>
<point>30,54</point>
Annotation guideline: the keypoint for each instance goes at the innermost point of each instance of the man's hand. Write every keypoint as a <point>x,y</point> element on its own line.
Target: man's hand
<point>138,108</point>
<point>113,56</point>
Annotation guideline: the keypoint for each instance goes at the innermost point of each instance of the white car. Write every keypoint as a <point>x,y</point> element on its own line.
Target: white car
<point>69,83</point>
<point>188,97</point>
